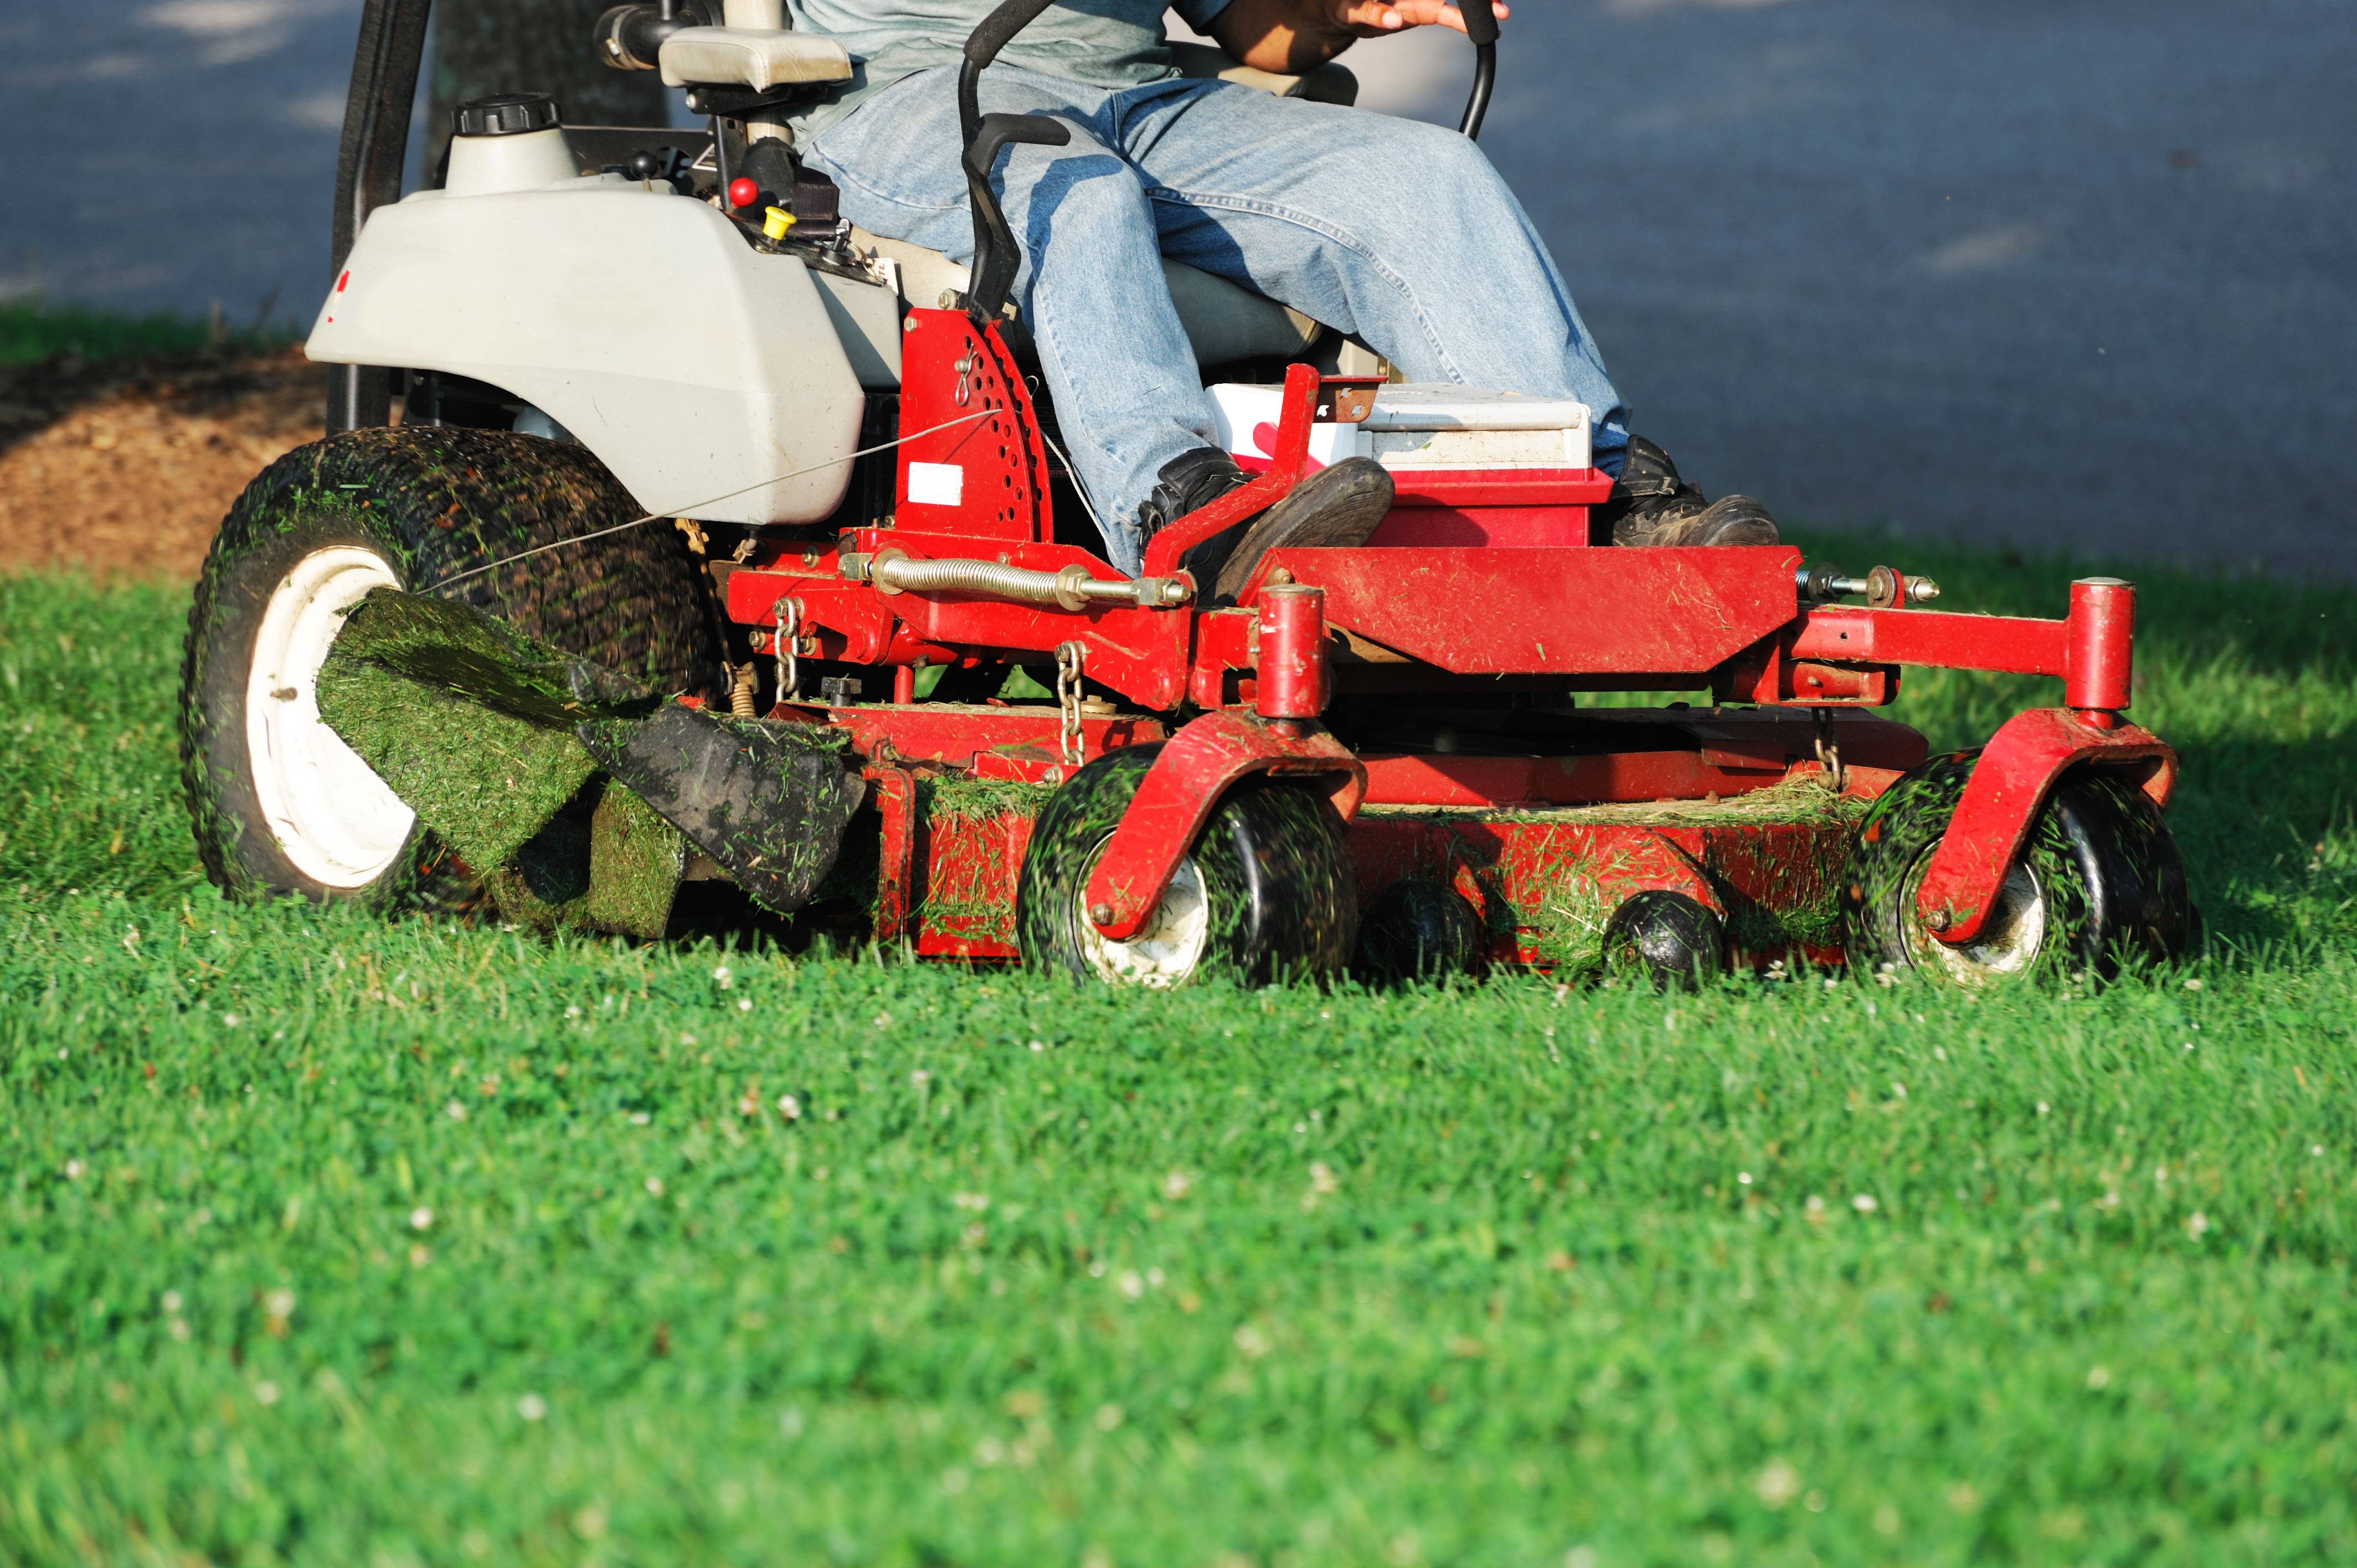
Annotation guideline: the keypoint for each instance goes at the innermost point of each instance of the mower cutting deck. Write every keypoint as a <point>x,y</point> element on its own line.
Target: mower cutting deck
<point>1370,754</point>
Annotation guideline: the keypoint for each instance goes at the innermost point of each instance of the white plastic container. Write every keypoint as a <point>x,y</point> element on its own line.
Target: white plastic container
<point>1420,427</point>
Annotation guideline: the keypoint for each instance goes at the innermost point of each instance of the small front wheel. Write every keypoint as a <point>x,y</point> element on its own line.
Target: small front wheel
<point>1266,893</point>
<point>2097,883</point>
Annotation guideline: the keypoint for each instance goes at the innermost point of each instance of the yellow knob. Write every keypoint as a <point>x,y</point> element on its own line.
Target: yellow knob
<point>775,221</point>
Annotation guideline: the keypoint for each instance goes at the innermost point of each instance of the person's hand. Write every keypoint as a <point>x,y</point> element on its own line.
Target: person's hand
<point>1374,18</point>
<point>1290,36</point>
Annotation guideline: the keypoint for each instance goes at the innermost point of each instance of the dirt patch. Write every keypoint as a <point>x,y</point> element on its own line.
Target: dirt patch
<point>124,468</point>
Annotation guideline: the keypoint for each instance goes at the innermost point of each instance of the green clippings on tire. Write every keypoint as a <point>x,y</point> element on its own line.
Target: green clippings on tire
<point>546,888</point>
<point>636,862</point>
<point>466,650</point>
<point>517,529</point>
<point>1279,891</point>
<point>485,781</point>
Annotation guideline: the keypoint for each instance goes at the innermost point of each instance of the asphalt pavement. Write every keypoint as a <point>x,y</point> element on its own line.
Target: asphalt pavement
<point>2069,275</point>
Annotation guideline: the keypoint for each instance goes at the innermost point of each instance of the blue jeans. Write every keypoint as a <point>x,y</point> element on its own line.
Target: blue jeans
<point>1398,231</point>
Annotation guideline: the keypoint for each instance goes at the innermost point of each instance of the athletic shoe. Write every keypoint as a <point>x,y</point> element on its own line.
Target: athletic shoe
<point>1651,505</point>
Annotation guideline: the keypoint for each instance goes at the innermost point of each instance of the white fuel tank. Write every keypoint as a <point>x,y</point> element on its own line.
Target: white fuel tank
<point>708,376</point>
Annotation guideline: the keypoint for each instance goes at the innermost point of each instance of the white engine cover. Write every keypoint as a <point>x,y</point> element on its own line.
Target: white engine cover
<point>707,375</point>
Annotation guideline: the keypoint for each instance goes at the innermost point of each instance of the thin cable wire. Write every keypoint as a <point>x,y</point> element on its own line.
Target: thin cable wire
<point>651,517</point>
<point>1073,474</point>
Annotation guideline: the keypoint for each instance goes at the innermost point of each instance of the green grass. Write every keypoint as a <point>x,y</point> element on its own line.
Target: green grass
<point>327,1239</point>
<point>31,330</point>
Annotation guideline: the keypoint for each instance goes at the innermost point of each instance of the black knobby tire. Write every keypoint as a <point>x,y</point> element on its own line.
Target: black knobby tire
<point>425,503</point>
<point>1279,895</point>
<point>2099,882</point>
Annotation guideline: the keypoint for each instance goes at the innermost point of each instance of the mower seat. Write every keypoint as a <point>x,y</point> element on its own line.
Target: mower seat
<point>756,59</point>
<point>1224,323</point>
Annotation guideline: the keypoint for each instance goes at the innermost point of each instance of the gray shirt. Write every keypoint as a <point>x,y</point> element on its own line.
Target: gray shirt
<point>1105,43</point>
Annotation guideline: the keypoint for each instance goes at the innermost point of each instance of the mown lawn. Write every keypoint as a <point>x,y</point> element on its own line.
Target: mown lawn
<point>330,1240</point>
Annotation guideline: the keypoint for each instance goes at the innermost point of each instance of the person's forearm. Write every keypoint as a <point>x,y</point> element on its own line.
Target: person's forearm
<point>1289,36</point>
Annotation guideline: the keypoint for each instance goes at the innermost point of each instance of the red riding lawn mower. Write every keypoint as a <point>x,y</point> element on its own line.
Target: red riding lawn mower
<point>719,542</point>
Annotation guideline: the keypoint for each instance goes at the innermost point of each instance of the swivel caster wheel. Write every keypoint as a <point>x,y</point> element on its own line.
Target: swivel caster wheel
<point>2097,884</point>
<point>1266,893</point>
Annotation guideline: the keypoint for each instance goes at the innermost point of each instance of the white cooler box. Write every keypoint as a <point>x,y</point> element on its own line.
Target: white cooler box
<point>1418,426</point>
<point>1474,469</point>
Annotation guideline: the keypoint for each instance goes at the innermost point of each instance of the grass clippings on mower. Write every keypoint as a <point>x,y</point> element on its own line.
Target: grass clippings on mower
<point>329,1238</point>
<point>485,780</point>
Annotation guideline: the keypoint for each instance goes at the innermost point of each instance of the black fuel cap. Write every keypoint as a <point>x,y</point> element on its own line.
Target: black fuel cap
<point>505,114</point>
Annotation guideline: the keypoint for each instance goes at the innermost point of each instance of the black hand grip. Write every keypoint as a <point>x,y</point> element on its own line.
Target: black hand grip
<point>997,256</point>
<point>1480,21</point>
<point>997,130</point>
<point>981,46</point>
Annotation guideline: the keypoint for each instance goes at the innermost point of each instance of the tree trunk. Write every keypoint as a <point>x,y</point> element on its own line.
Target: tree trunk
<point>533,46</point>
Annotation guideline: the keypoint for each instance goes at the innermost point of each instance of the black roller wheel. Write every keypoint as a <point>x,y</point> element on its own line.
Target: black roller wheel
<point>1672,939</point>
<point>2098,883</point>
<point>1268,893</point>
<point>1419,930</point>
<point>280,804</point>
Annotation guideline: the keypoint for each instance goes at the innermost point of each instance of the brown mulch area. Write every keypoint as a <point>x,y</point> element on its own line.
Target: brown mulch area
<point>124,468</point>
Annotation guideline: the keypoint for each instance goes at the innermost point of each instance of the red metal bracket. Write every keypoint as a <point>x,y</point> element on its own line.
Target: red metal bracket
<point>1285,471</point>
<point>2093,649</point>
<point>2017,769</point>
<point>951,374</point>
<point>896,873</point>
<point>1196,766</point>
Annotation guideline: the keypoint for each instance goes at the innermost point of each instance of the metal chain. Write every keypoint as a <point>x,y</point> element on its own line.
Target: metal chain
<point>789,631</point>
<point>1068,659</point>
<point>1829,762</point>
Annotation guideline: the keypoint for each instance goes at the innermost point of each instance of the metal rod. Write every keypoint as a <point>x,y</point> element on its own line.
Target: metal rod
<point>1071,587</point>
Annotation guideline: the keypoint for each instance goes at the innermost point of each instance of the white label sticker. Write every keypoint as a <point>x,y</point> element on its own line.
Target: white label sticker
<point>936,483</point>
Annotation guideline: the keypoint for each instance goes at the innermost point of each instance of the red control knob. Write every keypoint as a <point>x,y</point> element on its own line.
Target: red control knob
<point>743,193</point>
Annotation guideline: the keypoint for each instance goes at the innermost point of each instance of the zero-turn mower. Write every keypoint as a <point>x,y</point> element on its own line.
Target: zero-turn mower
<point>724,551</point>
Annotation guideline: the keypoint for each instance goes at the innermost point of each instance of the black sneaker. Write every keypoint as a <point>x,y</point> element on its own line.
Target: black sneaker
<point>1650,505</point>
<point>1338,505</point>
<point>1336,508</point>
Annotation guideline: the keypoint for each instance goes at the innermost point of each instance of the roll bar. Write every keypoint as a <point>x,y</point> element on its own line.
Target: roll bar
<point>368,174</point>
<point>1481,26</point>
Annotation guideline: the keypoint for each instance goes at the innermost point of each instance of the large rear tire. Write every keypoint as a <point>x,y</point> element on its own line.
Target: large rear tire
<point>280,805</point>
<point>2099,883</point>
<point>1268,893</point>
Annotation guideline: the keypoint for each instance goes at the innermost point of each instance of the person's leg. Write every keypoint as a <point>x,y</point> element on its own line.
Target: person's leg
<point>1117,358</point>
<point>1399,231</point>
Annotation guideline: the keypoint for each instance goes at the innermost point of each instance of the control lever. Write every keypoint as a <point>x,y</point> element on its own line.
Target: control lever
<point>1481,26</point>
<point>997,256</point>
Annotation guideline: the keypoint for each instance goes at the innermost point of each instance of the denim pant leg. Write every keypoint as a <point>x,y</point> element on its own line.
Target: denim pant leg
<point>1399,231</point>
<point>1127,396</point>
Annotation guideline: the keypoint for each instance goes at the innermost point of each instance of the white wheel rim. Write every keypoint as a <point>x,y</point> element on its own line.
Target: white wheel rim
<point>329,813</point>
<point>1166,950</point>
<point>2009,939</point>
